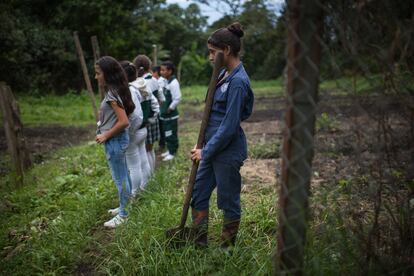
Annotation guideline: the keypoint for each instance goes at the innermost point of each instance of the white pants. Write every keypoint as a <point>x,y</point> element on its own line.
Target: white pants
<point>137,160</point>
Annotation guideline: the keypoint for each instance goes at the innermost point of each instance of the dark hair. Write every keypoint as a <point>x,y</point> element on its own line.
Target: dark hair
<point>229,36</point>
<point>156,69</point>
<point>116,81</point>
<point>130,70</point>
<point>169,65</point>
<point>142,64</point>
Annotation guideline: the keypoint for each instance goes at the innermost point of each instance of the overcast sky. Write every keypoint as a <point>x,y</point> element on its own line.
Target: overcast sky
<point>211,13</point>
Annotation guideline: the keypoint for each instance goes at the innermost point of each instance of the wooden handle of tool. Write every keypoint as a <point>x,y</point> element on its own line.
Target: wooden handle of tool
<point>218,65</point>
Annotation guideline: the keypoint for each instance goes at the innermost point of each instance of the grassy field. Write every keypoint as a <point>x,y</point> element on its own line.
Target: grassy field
<point>75,109</point>
<point>54,224</point>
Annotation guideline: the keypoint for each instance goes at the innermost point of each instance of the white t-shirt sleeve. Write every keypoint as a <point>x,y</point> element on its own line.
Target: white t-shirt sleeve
<point>175,94</point>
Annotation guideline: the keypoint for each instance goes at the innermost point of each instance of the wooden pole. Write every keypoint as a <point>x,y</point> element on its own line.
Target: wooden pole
<point>218,65</point>
<point>85,74</point>
<point>154,55</point>
<point>179,69</point>
<point>304,53</point>
<point>96,56</point>
<point>13,127</point>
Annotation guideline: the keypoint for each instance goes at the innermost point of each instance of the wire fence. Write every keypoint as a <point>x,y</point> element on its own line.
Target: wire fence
<point>347,177</point>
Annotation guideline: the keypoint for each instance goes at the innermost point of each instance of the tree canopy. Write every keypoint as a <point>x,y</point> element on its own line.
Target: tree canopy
<point>37,51</point>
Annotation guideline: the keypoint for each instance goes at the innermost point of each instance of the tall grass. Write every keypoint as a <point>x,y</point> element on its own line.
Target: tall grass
<point>53,225</point>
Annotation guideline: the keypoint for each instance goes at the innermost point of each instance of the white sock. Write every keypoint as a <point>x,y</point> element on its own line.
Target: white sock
<point>153,159</point>
<point>150,161</point>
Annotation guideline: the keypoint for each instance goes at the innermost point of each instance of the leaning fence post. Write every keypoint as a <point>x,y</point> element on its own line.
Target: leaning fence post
<point>154,55</point>
<point>13,128</point>
<point>96,56</point>
<point>304,34</point>
<point>85,73</point>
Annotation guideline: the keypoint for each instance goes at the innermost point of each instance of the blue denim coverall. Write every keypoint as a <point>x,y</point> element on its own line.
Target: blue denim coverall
<point>225,146</point>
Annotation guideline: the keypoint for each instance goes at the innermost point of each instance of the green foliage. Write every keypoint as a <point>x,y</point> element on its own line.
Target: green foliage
<point>196,68</point>
<point>263,149</point>
<point>32,55</point>
<point>265,40</point>
<point>39,50</point>
<point>49,221</point>
<point>326,123</point>
<point>38,46</point>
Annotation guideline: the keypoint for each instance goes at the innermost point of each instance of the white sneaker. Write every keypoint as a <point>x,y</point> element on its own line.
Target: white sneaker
<point>168,157</point>
<point>165,154</point>
<point>114,211</point>
<point>115,221</point>
<point>134,193</point>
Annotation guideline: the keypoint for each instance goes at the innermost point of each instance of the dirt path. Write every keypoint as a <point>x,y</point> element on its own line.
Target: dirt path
<point>42,141</point>
<point>349,127</point>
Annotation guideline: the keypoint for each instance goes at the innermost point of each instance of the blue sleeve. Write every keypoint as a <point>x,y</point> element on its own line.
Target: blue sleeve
<point>228,127</point>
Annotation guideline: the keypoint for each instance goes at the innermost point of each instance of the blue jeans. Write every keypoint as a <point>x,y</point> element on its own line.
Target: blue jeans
<point>115,149</point>
<point>226,177</point>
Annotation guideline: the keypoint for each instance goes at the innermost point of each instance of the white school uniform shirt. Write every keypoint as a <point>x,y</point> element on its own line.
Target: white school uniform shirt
<point>162,83</point>
<point>136,117</point>
<point>174,88</point>
<point>153,85</point>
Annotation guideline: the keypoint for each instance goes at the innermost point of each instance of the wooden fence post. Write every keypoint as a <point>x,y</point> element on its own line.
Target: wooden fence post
<point>13,128</point>
<point>85,73</point>
<point>96,56</point>
<point>304,53</point>
<point>154,55</point>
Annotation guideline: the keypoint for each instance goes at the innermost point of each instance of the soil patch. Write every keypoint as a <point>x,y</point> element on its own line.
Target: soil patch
<point>41,141</point>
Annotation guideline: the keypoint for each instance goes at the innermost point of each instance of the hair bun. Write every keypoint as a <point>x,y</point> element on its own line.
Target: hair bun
<point>236,28</point>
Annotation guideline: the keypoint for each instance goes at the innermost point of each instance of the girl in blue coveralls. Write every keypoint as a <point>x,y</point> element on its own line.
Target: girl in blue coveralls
<point>225,146</point>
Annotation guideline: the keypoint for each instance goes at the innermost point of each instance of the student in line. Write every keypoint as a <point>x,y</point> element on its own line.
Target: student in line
<point>112,128</point>
<point>225,146</point>
<point>143,64</point>
<point>150,109</point>
<point>135,154</point>
<point>169,112</point>
<point>156,73</point>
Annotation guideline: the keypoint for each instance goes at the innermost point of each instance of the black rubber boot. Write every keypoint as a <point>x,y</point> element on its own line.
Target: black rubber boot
<point>200,227</point>
<point>229,233</point>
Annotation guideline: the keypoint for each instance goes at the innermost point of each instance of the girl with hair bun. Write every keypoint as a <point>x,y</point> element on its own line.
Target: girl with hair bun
<point>112,129</point>
<point>225,146</point>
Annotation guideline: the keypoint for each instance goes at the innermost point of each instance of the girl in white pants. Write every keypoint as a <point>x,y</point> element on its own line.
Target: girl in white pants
<point>136,155</point>
<point>137,161</point>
